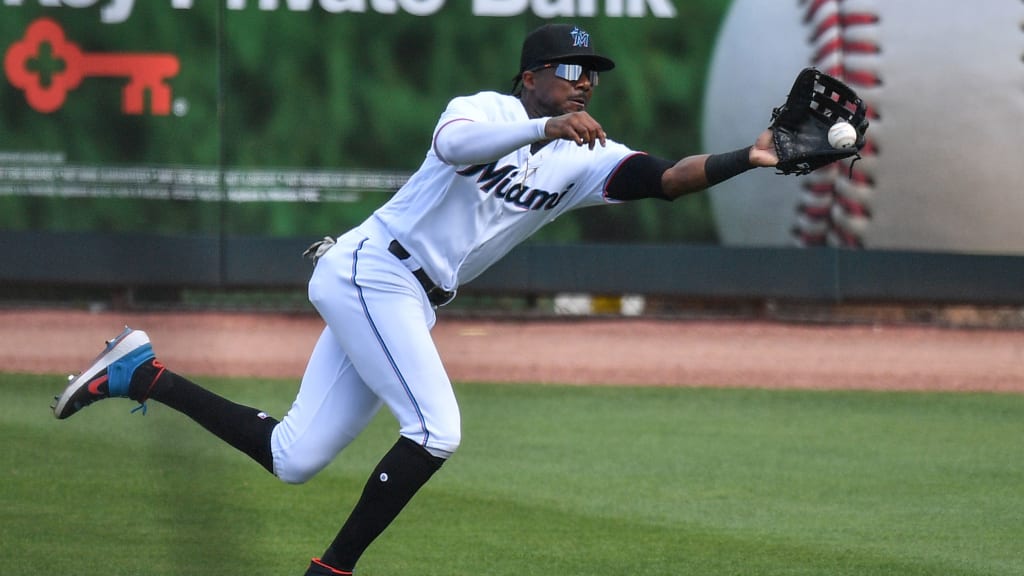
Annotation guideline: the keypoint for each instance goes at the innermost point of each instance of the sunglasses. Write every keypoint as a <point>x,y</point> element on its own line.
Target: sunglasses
<point>572,72</point>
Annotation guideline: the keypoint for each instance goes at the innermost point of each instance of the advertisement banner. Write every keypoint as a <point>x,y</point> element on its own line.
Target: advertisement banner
<point>298,117</point>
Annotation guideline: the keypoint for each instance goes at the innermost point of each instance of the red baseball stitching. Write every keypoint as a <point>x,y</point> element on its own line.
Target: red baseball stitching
<point>833,207</point>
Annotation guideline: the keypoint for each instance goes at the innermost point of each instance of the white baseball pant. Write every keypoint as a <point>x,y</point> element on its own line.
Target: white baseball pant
<point>376,349</point>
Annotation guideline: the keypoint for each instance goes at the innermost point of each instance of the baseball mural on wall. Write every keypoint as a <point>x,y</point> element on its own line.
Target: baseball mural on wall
<point>944,83</point>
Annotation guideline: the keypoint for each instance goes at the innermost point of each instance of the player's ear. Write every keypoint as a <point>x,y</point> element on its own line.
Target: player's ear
<point>529,79</point>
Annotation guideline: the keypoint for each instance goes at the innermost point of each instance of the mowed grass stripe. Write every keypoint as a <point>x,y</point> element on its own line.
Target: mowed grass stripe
<point>549,480</point>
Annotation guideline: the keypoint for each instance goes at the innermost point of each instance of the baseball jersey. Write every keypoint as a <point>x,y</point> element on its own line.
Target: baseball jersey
<point>458,220</point>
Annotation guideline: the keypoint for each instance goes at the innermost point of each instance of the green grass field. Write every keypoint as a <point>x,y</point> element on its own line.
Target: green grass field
<point>552,481</point>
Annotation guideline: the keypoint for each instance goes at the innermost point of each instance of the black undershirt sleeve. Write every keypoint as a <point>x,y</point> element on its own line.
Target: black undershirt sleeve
<point>637,177</point>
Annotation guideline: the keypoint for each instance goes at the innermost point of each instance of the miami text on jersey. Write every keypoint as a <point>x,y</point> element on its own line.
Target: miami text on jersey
<point>503,182</point>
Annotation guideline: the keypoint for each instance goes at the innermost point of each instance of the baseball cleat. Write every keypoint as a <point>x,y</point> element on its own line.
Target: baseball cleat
<point>109,374</point>
<point>318,568</point>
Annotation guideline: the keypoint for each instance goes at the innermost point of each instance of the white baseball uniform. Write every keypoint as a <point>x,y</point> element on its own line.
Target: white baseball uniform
<point>471,201</point>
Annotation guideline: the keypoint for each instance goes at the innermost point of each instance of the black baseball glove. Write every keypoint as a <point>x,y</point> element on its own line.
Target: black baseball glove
<point>800,126</point>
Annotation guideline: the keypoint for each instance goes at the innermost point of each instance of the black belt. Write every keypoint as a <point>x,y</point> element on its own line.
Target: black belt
<point>435,294</point>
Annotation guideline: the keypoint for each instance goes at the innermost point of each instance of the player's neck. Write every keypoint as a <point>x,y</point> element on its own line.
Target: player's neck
<point>537,146</point>
<point>530,105</point>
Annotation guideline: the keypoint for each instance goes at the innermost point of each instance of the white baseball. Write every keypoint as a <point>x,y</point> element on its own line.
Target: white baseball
<point>941,169</point>
<point>842,135</point>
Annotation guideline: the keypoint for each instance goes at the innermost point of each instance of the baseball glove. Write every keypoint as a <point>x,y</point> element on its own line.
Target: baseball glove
<point>800,126</point>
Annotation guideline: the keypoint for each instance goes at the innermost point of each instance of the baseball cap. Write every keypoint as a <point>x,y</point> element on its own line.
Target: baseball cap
<point>561,43</point>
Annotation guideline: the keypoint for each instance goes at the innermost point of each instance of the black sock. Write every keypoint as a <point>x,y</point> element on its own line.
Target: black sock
<point>402,471</point>
<point>245,428</point>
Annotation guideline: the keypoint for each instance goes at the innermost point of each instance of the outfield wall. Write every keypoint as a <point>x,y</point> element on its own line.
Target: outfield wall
<point>261,125</point>
<point>688,271</point>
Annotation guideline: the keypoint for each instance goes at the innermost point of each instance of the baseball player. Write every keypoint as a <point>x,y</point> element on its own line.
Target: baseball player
<point>499,167</point>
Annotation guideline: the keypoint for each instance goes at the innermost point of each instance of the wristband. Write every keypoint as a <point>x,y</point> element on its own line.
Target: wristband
<point>721,167</point>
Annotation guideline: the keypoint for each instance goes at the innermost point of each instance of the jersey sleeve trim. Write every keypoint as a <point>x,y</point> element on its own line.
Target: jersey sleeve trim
<point>437,133</point>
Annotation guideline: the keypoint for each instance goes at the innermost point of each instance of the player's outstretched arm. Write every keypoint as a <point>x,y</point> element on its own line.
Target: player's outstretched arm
<point>696,173</point>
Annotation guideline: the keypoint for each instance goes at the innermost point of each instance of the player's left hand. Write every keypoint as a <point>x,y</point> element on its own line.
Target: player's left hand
<point>763,153</point>
<point>800,126</point>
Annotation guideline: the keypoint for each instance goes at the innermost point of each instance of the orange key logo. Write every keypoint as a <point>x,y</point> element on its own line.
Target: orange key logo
<point>45,65</point>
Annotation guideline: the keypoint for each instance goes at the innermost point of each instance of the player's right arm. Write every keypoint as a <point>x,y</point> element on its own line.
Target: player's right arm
<point>487,126</point>
<point>482,128</point>
<point>464,141</point>
<point>579,127</point>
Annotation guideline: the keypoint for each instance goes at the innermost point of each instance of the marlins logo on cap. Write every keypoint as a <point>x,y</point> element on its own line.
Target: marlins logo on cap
<point>580,37</point>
